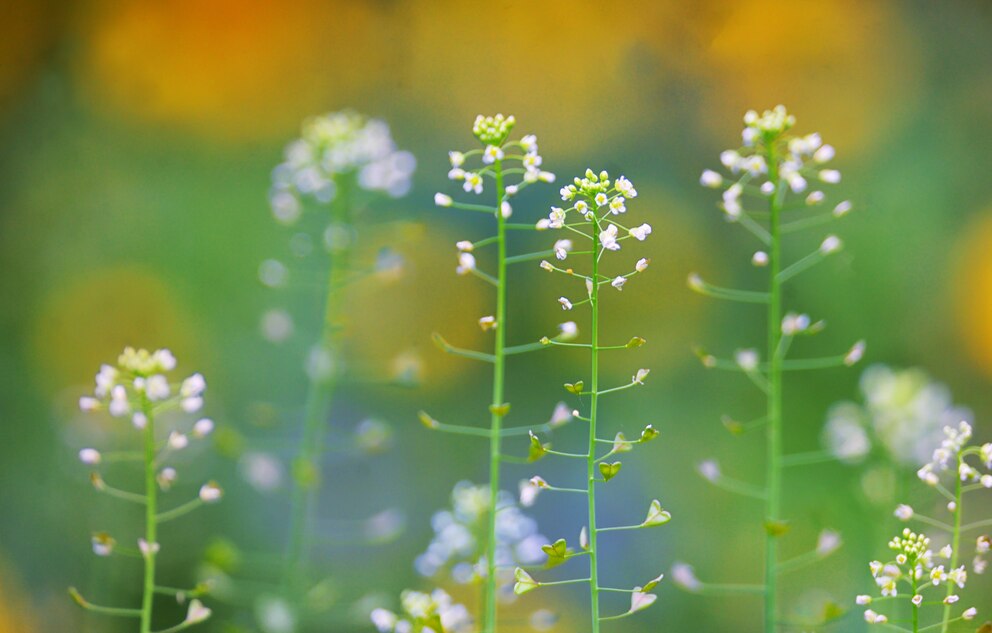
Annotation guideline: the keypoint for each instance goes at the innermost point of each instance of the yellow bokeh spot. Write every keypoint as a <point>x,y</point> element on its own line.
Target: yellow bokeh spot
<point>89,319</point>
<point>240,69</point>
<point>15,610</point>
<point>972,284</point>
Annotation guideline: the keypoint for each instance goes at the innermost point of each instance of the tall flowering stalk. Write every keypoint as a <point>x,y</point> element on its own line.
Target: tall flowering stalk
<point>138,388</point>
<point>501,160</point>
<point>772,191</point>
<point>915,565</point>
<point>597,203</point>
<point>328,176</point>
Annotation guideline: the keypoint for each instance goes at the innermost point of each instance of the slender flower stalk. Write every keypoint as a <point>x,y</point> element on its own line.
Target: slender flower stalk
<point>596,204</point>
<point>916,564</point>
<point>495,156</point>
<point>138,388</point>
<point>775,170</point>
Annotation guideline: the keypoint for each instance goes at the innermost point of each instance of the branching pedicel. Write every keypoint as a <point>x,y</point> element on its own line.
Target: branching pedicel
<point>502,160</point>
<point>776,171</point>
<point>596,204</point>
<point>916,572</point>
<point>138,388</point>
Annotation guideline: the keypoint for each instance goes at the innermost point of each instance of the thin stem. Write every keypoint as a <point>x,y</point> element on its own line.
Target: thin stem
<point>774,430</point>
<point>496,421</point>
<point>916,609</point>
<point>591,459</point>
<point>151,521</point>
<point>320,394</point>
<point>955,542</point>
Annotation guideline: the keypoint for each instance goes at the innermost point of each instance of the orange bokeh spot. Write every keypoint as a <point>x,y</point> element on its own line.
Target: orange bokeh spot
<point>240,69</point>
<point>972,283</point>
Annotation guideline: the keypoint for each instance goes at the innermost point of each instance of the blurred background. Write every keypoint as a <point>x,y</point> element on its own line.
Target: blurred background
<point>136,143</point>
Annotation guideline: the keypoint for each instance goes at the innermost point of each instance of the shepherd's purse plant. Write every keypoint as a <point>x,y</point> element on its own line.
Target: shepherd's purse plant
<point>772,191</point>
<point>138,389</point>
<point>596,205</point>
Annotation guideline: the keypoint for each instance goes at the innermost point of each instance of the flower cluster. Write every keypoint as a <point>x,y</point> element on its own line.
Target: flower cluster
<point>799,161</point>
<point>458,546</point>
<point>139,388</point>
<point>435,612</point>
<point>903,414</point>
<point>331,145</point>
<point>917,567</point>
<point>494,132</point>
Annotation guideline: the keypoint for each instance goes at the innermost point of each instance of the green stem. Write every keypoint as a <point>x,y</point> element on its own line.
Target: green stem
<point>591,460</point>
<point>916,609</point>
<point>320,395</point>
<point>499,370</point>
<point>955,542</point>
<point>774,430</point>
<point>151,522</point>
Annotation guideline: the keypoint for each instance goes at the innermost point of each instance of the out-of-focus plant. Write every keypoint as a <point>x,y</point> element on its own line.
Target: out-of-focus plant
<point>916,572</point>
<point>772,191</point>
<point>901,416</point>
<point>511,166</point>
<point>342,162</point>
<point>596,204</point>
<point>138,389</point>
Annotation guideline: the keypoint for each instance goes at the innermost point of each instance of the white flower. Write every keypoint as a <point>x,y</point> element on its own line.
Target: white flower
<point>565,303</point>
<point>794,323</point>
<point>625,187</point>
<point>556,218</point>
<point>203,427</point>
<point>197,612</point>
<point>731,200</point>
<point>139,420</point>
<point>546,265</point>
<point>384,621</point>
<point>855,354</point>
<point>638,378</point>
<point>457,159</point>
<point>759,259</point>
<point>951,599</point>
<point>617,205</point>
<point>457,173</point>
<point>193,386</point>
<point>103,544</point>
<point>492,154</point>
<point>157,387</point>
<point>641,232</point>
<point>487,323</point>
<point>831,244</point>
<point>119,404</point>
<point>106,378</point>
<point>824,154</point>
<point>969,614</point>
<point>875,618</point>
<point>709,469</point>
<point>529,489</point>
<point>88,403</point>
<point>545,176</point>
<point>767,188</point>
<point>815,197</point>
<point>608,238</point>
<point>831,176</point>
<point>684,577</point>
<point>642,265</point>
<point>618,282</point>
<point>842,208</point>
<point>562,248</point>
<point>529,143</point>
<point>827,542</point>
<point>862,600</point>
<point>917,600</point>
<point>731,160</point>
<point>986,481</point>
<point>600,199</point>
<point>711,179</point>
<point>904,512</point>
<point>210,492</point>
<point>983,544</point>
<point>561,415</point>
<point>148,549</point>
<point>568,330</point>
<point>747,359</point>
<point>466,263</point>
<point>473,182</point>
<point>164,359</point>
<point>90,456</point>
<point>442,200</point>
<point>532,162</point>
<point>505,210</point>
<point>566,193</point>
<point>178,441</point>
<point>166,478</point>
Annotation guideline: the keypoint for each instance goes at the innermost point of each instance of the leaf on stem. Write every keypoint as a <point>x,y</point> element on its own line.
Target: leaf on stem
<point>609,471</point>
<point>575,387</point>
<point>524,582</point>
<point>656,516</point>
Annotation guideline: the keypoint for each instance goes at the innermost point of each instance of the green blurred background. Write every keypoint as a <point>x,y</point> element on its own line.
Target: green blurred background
<point>137,138</point>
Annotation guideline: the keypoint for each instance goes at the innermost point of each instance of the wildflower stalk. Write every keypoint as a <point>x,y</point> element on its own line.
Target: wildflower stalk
<point>319,399</point>
<point>496,420</point>
<point>774,440</point>
<point>955,538</point>
<point>591,461</point>
<point>151,510</point>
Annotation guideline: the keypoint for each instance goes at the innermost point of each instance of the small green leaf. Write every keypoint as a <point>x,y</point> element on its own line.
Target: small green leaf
<point>557,552</point>
<point>656,516</point>
<point>776,528</point>
<point>651,584</point>
<point>575,388</point>
<point>500,410</point>
<point>637,341</point>
<point>427,420</point>
<point>524,582</point>
<point>609,471</point>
